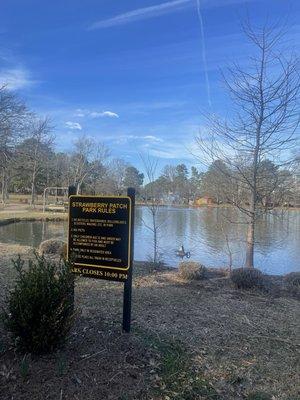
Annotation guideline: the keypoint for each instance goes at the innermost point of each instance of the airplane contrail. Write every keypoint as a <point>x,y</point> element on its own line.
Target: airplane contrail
<point>204,59</point>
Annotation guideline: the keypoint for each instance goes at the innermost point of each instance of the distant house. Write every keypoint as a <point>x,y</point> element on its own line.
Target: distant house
<point>204,201</point>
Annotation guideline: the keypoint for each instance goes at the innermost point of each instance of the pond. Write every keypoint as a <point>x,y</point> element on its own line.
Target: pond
<point>208,233</point>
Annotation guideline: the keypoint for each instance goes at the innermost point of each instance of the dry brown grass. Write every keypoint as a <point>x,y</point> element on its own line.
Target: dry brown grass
<point>229,344</point>
<point>192,271</point>
<point>52,247</point>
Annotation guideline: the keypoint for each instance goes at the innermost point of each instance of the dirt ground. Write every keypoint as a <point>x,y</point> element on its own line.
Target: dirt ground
<point>201,340</point>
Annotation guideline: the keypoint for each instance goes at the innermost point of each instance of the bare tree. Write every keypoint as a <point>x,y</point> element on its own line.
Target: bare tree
<point>152,203</point>
<point>13,115</point>
<point>261,126</point>
<point>116,173</point>
<point>294,197</point>
<point>87,157</point>
<point>41,141</point>
<point>33,154</point>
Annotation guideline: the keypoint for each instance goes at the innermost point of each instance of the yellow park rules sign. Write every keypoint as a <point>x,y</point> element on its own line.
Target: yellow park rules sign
<point>99,240</point>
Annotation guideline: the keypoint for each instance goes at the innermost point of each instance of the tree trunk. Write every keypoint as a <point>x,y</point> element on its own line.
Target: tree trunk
<point>154,240</point>
<point>253,199</point>
<point>4,188</point>
<point>3,196</point>
<point>32,193</point>
<point>250,245</point>
<point>33,185</point>
<point>250,232</point>
<point>35,170</point>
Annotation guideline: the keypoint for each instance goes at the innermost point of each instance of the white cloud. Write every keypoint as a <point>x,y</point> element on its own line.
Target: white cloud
<point>152,138</point>
<point>95,114</point>
<point>73,125</point>
<point>15,78</point>
<point>158,10</point>
<point>142,13</point>
<point>109,114</point>
<point>122,139</point>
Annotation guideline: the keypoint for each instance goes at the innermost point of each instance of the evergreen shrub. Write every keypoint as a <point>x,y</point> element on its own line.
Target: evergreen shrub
<point>39,310</point>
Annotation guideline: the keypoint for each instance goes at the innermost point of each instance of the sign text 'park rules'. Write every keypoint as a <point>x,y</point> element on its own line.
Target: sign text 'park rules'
<point>99,236</point>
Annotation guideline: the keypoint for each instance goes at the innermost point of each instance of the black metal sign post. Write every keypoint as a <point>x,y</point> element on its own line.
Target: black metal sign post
<point>128,282</point>
<point>101,240</point>
<point>71,191</point>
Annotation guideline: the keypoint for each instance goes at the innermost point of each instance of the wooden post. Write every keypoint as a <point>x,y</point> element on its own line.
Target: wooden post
<point>128,282</point>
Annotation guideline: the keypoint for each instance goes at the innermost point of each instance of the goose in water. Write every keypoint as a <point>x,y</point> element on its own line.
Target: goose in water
<point>182,253</point>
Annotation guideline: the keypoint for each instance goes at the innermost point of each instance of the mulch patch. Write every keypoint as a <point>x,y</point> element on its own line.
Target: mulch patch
<point>98,362</point>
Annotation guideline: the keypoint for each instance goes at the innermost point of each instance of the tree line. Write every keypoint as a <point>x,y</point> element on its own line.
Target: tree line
<point>251,155</point>
<point>29,163</point>
<point>277,186</point>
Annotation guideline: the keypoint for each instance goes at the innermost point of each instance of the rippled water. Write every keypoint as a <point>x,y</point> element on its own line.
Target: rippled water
<point>205,232</point>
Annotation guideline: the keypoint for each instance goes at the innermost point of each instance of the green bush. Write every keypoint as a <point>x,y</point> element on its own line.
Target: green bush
<point>53,247</point>
<point>247,278</point>
<point>40,309</point>
<point>191,270</point>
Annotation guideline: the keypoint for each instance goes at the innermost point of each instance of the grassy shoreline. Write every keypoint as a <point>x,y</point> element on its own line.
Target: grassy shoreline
<point>11,217</point>
<point>189,340</point>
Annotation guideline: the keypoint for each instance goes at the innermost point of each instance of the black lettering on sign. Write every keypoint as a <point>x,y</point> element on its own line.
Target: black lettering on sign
<point>99,236</point>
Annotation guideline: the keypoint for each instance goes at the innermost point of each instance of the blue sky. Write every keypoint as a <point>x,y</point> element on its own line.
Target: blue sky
<point>135,74</point>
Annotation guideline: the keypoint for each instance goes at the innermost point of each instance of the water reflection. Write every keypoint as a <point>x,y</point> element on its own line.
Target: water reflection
<point>32,233</point>
<point>204,232</point>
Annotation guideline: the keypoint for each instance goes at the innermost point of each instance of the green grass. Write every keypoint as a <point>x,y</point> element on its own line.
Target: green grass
<point>177,379</point>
